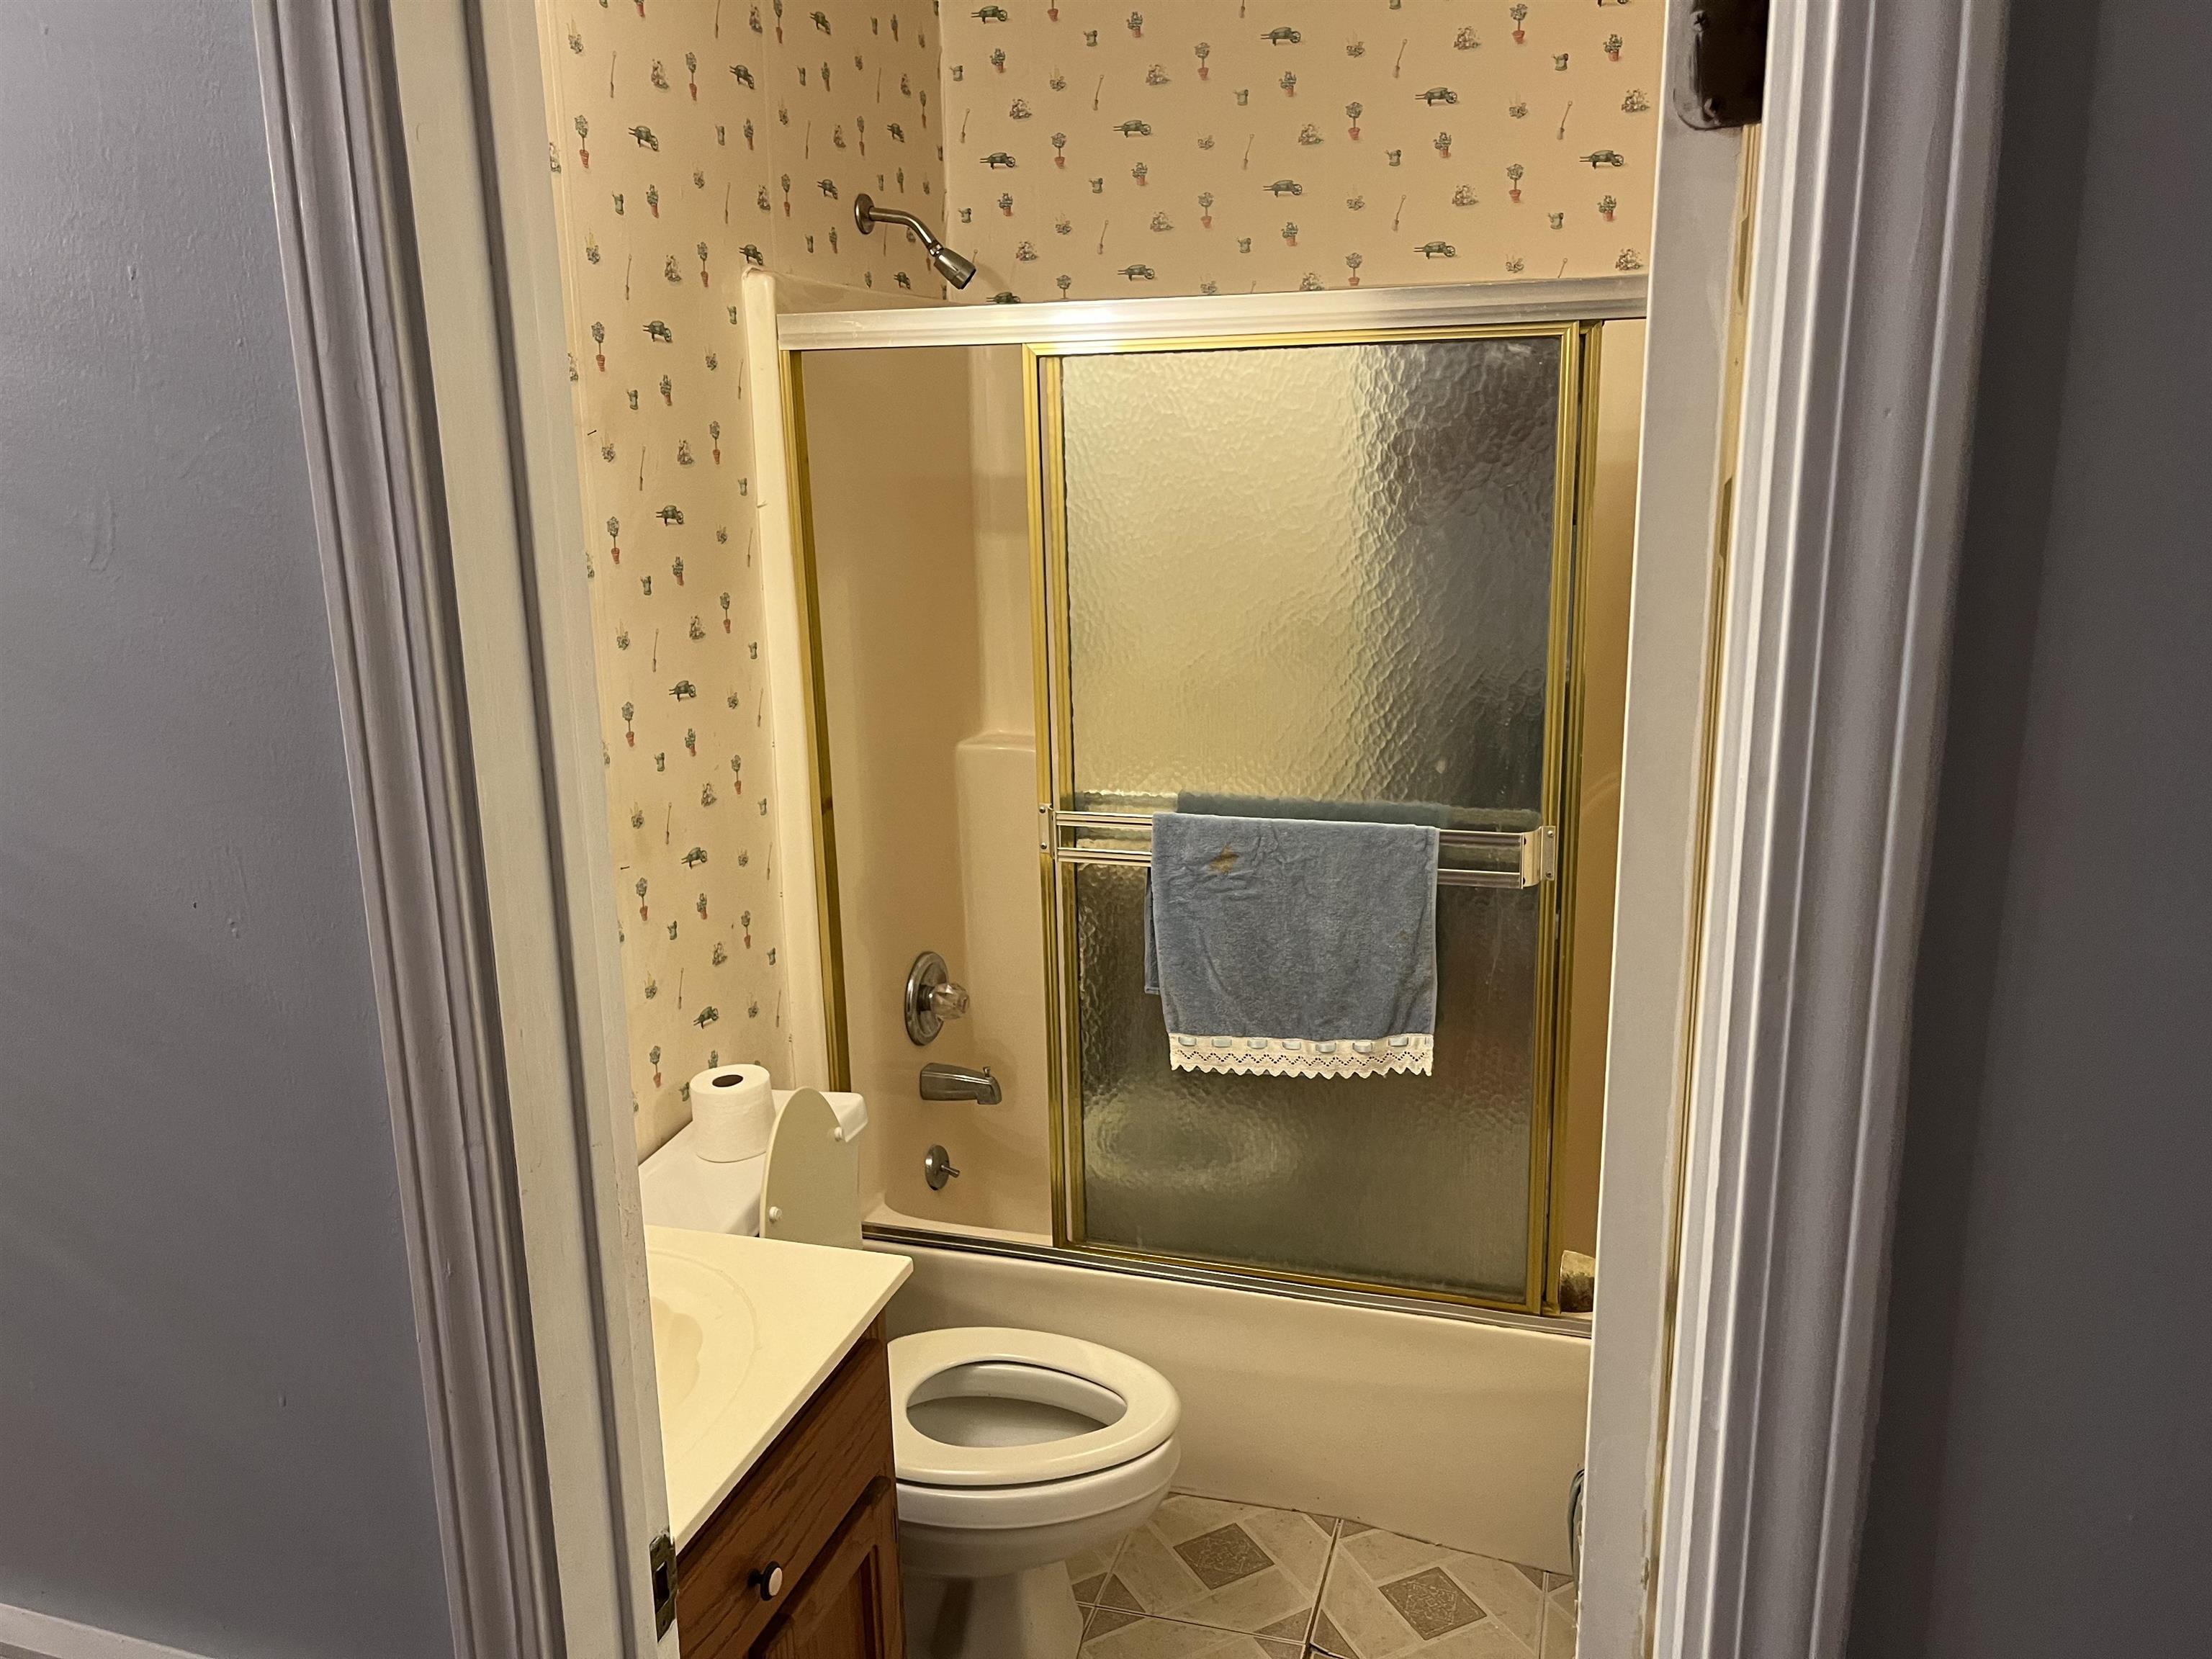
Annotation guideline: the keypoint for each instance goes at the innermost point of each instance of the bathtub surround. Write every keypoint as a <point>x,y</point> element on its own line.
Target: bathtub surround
<point>1097,151</point>
<point>690,140</point>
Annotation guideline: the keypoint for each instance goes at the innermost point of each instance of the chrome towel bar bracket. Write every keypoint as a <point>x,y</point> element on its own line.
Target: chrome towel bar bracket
<point>1535,852</point>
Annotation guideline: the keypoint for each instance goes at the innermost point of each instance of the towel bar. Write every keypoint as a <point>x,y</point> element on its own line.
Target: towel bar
<point>1536,852</point>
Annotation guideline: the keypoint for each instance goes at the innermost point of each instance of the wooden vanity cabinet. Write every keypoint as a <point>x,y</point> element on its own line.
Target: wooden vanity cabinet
<point>801,1561</point>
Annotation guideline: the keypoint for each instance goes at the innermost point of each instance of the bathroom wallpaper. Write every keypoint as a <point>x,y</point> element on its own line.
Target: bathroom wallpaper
<point>1079,150</point>
<point>1155,147</point>
<point>690,139</point>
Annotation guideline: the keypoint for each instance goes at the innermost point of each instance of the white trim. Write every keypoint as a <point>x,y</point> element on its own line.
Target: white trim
<point>1669,644</point>
<point>783,641</point>
<point>1863,325</point>
<point>339,181</point>
<point>1412,1052</point>
<point>25,1634</point>
<point>1575,299</point>
<point>468,82</point>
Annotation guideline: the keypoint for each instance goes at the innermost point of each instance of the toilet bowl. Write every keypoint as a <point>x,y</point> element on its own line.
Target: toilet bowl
<point>1017,1450</point>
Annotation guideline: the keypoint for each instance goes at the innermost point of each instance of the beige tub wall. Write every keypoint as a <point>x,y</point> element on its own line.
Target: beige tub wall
<point>1464,1433</point>
<point>1605,656</point>
<point>887,462</point>
<point>921,556</point>
<point>1000,452</point>
<point>1004,1151</point>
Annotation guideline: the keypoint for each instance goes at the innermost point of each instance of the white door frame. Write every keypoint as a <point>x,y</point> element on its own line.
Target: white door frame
<point>1775,811</point>
<point>430,361</point>
<point>1736,1412</point>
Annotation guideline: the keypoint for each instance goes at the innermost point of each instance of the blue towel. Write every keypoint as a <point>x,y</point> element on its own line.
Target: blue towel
<point>1293,947</point>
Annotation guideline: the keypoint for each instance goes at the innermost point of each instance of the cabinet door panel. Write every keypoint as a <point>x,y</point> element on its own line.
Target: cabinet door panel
<point>849,1605</point>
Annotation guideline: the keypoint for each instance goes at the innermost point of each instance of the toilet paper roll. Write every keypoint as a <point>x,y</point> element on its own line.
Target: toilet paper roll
<point>732,1112</point>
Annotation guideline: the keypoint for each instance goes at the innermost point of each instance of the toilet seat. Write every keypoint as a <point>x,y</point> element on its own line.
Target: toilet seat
<point>1150,1408</point>
<point>999,1509</point>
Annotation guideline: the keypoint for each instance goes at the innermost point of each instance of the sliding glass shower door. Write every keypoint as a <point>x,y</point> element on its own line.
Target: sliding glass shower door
<point>1339,575</point>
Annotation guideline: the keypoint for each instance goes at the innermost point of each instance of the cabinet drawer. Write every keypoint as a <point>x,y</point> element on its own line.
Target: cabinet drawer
<point>787,1509</point>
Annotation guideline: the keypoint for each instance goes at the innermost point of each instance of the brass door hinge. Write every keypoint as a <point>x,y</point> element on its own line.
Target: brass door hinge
<point>661,1558</point>
<point>1720,68</point>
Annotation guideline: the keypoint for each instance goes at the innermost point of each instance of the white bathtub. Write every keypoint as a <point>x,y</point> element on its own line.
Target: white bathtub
<point>1461,1433</point>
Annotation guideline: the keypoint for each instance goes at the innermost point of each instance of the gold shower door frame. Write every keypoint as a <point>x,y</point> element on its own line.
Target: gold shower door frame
<point>1562,769</point>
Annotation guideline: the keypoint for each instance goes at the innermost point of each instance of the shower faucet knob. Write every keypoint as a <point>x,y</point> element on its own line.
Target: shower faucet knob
<point>932,999</point>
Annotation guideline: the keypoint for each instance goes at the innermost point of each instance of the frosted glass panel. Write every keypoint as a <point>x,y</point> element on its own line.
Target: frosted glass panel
<point>1313,572</point>
<point>1421,1182</point>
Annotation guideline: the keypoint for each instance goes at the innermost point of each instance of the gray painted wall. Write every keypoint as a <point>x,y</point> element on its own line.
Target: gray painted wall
<point>212,1423</point>
<point>2043,1464</point>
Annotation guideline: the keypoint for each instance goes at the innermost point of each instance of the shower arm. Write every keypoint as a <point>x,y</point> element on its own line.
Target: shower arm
<point>953,266</point>
<point>867,215</point>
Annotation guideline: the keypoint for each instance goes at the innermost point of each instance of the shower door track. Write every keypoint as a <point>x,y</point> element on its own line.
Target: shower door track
<point>1211,317</point>
<point>1186,1271</point>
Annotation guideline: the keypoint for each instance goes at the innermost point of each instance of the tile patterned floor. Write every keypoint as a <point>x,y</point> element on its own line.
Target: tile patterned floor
<point>1208,1579</point>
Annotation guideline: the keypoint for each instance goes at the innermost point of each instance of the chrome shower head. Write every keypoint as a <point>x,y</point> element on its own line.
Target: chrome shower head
<point>955,268</point>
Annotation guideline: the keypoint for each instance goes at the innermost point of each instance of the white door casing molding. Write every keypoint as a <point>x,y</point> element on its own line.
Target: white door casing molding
<point>1861,334</point>
<point>430,368</point>
<point>373,481</point>
<point>470,91</point>
<point>1680,522</point>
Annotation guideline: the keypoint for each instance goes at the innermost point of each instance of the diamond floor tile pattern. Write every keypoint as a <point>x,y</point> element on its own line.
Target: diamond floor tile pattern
<point>1234,1566</point>
<point>1387,1596</point>
<point>1115,1635</point>
<point>1205,1578</point>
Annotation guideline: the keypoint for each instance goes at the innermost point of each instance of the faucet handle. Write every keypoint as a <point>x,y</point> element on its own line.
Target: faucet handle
<point>937,1168</point>
<point>932,999</point>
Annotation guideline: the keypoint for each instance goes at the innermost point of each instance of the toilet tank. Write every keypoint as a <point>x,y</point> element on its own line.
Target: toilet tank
<point>679,1188</point>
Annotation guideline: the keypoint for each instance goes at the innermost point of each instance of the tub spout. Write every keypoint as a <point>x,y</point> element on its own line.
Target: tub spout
<point>959,1083</point>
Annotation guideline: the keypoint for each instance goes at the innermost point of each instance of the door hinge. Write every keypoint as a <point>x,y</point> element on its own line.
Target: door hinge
<point>661,1558</point>
<point>1720,69</point>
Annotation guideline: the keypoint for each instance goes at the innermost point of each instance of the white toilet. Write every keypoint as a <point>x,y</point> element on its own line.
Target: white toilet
<point>1016,1450</point>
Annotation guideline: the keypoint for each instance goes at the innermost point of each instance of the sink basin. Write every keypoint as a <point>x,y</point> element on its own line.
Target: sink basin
<point>705,1337</point>
<point>745,1330</point>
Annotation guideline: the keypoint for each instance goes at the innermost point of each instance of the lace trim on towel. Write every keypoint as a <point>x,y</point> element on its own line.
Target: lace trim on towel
<point>1303,1056</point>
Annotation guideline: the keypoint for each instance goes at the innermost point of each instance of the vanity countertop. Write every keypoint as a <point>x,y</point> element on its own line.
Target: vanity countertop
<point>745,1330</point>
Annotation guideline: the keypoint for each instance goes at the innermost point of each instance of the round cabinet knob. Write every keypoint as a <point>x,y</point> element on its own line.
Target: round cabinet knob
<point>769,1580</point>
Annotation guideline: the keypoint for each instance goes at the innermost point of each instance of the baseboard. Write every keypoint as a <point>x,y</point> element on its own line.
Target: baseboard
<point>28,1635</point>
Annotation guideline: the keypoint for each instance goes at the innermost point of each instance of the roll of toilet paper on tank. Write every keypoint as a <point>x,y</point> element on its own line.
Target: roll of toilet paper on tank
<point>732,1112</point>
